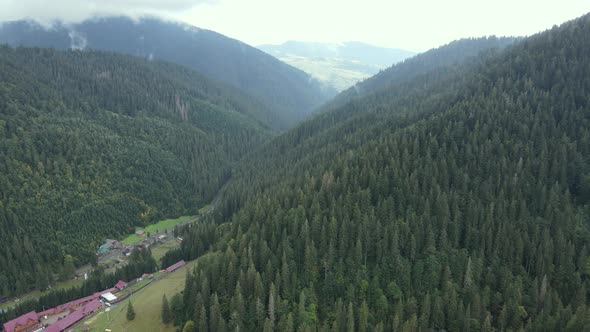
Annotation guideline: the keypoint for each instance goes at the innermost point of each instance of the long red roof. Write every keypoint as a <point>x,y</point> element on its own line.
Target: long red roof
<point>21,320</point>
<point>24,319</point>
<point>69,305</point>
<point>74,317</point>
<point>176,266</point>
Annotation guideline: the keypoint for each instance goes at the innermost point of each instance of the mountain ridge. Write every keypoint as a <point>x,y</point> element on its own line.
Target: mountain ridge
<point>455,200</point>
<point>288,93</point>
<point>96,143</point>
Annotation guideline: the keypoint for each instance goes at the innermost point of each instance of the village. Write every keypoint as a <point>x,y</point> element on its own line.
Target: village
<point>110,255</point>
<point>65,316</point>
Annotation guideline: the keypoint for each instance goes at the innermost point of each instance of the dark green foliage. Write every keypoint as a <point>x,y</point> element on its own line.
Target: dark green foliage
<point>288,94</point>
<point>94,144</point>
<point>453,201</point>
<point>197,239</point>
<point>189,326</point>
<point>130,311</point>
<point>176,309</point>
<point>166,313</point>
<point>455,53</point>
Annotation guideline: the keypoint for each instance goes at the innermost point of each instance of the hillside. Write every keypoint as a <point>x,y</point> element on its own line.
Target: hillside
<point>288,93</point>
<point>338,66</point>
<point>456,200</point>
<point>93,144</point>
<point>455,53</point>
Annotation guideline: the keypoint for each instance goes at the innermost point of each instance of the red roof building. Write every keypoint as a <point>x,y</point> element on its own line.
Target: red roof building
<point>70,305</point>
<point>176,266</point>
<point>74,317</point>
<point>22,323</point>
<point>120,285</point>
<point>78,308</point>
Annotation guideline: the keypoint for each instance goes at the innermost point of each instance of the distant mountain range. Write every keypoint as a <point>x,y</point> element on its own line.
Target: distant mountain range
<point>338,66</point>
<point>453,54</point>
<point>289,94</point>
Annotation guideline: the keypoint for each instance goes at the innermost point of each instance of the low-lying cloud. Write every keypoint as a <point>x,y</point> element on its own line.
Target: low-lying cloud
<point>78,10</point>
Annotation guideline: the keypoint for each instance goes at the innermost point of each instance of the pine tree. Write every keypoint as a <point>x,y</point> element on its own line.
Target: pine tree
<point>364,317</point>
<point>189,326</point>
<point>130,311</point>
<point>203,326</point>
<point>166,312</point>
<point>350,319</point>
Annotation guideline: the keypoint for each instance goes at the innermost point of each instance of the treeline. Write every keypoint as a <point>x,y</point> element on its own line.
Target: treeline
<point>197,239</point>
<point>458,52</point>
<point>140,262</point>
<point>458,201</point>
<point>93,144</point>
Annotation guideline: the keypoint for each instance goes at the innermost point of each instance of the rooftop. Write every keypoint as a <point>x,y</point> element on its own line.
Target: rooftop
<point>176,266</point>
<point>20,321</point>
<point>109,297</point>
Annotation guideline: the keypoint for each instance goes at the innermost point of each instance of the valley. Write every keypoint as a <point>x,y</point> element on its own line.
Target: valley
<point>174,179</point>
<point>337,66</point>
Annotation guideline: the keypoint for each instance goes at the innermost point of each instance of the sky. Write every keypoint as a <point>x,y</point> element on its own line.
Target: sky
<point>415,25</point>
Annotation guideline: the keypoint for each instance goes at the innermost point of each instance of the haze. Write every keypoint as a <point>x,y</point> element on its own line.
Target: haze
<point>415,25</point>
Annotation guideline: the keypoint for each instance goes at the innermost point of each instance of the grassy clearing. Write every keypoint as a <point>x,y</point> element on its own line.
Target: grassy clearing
<point>160,250</point>
<point>131,239</point>
<point>205,208</point>
<point>69,283</point>
<point>158,227</point>
<point>147,303</point>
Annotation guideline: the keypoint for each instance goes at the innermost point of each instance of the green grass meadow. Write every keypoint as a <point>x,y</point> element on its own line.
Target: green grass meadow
<point>147,303</point>
<point>158,227</point>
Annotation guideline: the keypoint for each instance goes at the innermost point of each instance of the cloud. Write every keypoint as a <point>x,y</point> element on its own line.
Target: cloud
<point>77,41</point>
<point>78,10</point>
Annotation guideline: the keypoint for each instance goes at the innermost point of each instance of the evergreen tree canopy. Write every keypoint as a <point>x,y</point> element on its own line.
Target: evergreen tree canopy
<point>456,200</point>
<point>93,144</point>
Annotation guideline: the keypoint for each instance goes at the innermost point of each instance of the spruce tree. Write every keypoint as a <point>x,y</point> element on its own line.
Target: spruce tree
<point>166,312</point>
<point>130,311</point>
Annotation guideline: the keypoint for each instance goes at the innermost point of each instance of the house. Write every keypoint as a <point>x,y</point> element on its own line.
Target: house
<point>69,305</point>
<point>176,266</point>
<point>120,285</point>
<point>104,249</point>
<point>74,317</point>
<point>140,232</point>
<point>26,322</point>
<point>109,297</point>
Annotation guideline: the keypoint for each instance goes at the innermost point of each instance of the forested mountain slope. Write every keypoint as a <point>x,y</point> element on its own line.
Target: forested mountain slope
<point>92,144</point>
<point>455,53</point>
<point>455,201</point>
<point>288,93</point>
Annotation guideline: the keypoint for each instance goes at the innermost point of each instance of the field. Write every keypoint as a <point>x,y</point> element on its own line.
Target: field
<point>147,303</point>
<point>158,253</point>
<point>158,227</point>
<point>161,249</point>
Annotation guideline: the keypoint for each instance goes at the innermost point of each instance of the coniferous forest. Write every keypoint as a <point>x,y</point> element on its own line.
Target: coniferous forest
<point>455,201</point>
<point>93,144</point>
<point>450,193</point>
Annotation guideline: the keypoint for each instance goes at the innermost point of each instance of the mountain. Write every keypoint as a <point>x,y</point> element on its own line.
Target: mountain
<point>288,92</point>
<point>454,53</point>
<point>338,66</point>
<point>455,200</point>
<point>93,144</point>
